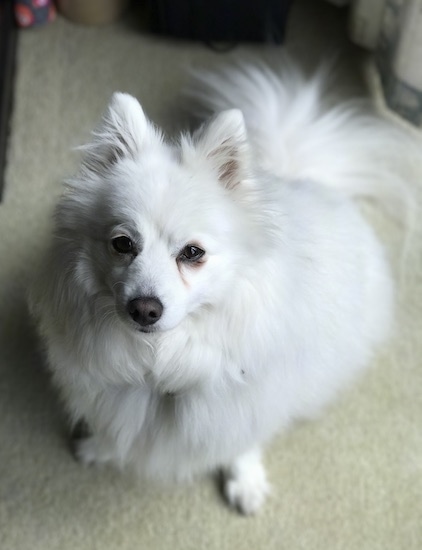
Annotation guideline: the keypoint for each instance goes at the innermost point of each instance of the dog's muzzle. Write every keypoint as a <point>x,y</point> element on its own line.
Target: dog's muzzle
<point>145,310</point>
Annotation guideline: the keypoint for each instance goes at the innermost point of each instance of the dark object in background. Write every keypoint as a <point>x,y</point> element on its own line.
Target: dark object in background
<point>221,20</point>
<point>33,13</point>
<point>7,66</point>
<point>92,12</point>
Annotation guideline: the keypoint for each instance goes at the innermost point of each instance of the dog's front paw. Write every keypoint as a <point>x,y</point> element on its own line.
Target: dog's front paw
<point>86,451</point>
<point>83,444</point>
<point>246,495</point>
<point>90,451</point>
<point>246,486</point>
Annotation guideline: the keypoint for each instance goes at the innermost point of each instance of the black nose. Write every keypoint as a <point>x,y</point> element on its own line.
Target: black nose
<point>145,311</point>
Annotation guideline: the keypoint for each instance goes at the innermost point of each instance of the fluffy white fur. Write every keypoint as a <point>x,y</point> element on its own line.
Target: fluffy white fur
<point>288,304</point>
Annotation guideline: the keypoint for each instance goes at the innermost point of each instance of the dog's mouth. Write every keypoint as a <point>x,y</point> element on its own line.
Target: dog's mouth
<point>135,327</point>
<point>146,330</point>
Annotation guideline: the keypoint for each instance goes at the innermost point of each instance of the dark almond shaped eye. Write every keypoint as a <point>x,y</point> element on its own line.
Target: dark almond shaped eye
<point>191,253</point>
<point>122,245</point>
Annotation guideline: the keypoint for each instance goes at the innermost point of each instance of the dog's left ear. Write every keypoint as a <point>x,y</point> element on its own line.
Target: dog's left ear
<point>223,143</point>
<point>122,132</point>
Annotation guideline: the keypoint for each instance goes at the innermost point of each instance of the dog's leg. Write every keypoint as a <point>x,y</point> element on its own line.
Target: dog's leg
<point>245,483</point>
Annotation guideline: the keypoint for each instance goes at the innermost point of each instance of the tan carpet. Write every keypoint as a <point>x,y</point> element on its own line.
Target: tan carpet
<point>351,480</point>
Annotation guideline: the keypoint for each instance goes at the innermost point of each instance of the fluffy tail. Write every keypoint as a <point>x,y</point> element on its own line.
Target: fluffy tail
<point>296,133</point>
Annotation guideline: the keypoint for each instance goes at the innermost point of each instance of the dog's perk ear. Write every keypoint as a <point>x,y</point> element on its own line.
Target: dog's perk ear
<point>121,133</point>
<point>223,142</point>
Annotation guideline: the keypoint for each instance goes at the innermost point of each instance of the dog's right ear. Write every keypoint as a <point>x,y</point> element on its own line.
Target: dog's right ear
<point>222,144</point>
<point>122,132</point>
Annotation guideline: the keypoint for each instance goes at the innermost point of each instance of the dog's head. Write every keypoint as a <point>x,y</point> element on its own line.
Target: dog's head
<point>158,228</point>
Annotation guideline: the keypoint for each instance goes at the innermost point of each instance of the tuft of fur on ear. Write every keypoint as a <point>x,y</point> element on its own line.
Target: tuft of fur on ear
<point>121,133</point>
<point>223,142</point>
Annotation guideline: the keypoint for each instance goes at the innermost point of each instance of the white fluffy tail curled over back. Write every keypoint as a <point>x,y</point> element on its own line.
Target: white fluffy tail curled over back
<point>296,134</point>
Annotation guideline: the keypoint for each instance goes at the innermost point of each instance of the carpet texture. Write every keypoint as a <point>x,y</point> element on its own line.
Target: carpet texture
<point>351,480</point>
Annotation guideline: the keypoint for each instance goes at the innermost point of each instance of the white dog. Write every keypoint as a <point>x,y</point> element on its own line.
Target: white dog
<point>200,295</point>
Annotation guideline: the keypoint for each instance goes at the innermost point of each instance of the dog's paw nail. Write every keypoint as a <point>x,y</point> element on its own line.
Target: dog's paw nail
<point>247,495</point>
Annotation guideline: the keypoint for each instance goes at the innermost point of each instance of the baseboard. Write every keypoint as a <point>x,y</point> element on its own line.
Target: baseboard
<point>8,36</point>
